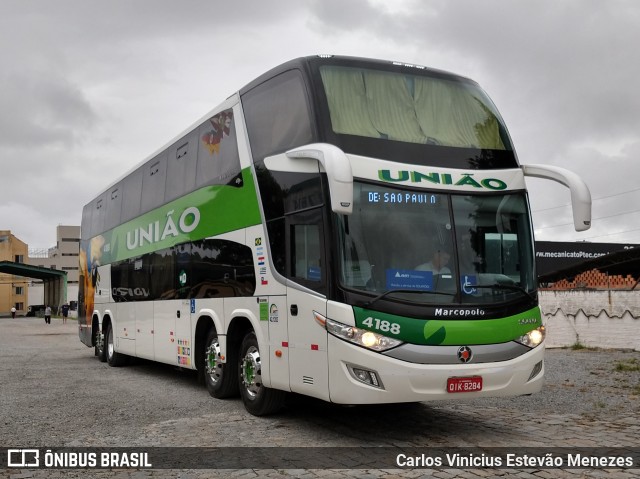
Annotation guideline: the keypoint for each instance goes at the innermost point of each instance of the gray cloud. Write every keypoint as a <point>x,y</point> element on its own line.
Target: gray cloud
<point>40,108</point>
<point>89,88</point>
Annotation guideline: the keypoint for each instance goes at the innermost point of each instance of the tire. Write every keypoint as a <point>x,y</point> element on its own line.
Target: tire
<point>220,378</point>
<point>258,399</point>
<point>114,359</point>
<point>99,349</point>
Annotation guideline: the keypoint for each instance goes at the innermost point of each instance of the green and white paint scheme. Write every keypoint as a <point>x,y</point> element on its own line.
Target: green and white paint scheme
<point>249,248</point>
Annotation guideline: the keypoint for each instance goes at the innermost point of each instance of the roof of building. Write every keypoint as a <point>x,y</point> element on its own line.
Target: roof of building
<point>28,271</point>
<point>619,263</point>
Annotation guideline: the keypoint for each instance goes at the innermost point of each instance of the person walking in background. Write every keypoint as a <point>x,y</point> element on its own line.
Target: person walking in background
<point>13,312</point>
<point>65,313</point>
<point>47,315</point>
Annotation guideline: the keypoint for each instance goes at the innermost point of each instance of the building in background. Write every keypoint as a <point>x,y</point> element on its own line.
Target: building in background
<point>581,265</point>
<point>13,289</point>
<point>63,256</point>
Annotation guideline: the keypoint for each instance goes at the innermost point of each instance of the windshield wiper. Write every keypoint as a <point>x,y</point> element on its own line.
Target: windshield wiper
<point>413,291</point>
<point>513,287</point>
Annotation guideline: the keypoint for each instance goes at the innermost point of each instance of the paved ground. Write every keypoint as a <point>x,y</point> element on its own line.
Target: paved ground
<point>55,393</point>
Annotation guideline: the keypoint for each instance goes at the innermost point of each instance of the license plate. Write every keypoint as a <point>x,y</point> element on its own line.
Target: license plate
<point>464,385</point>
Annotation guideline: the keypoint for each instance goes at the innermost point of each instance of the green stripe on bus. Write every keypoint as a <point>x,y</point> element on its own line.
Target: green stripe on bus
<point>206,212</point>
<point>449,332</point>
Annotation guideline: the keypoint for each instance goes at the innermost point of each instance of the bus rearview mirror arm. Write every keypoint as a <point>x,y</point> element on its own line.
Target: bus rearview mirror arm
<point>580,195</point>
<point>338,169</point>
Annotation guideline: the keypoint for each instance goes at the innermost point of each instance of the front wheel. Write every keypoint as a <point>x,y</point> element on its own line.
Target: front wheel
<point>219,377</point>
<point>258,399</point>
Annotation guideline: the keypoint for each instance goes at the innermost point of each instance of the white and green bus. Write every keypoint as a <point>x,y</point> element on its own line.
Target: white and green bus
<point>349,229</point>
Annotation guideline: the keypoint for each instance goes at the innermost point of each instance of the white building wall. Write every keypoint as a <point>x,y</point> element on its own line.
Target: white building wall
<point>603,319</point>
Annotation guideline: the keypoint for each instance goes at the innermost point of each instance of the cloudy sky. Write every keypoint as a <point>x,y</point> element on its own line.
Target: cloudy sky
<point>90,88</point>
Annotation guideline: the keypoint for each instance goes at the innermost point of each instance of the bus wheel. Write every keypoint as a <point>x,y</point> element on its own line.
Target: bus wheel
<point>258,399</point>
<point>113,359</point>
<point>100,350</point>
<point>219,377</point>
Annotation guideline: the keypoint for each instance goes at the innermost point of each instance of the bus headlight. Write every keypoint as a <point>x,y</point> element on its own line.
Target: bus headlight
<point>361,337</point>
<point>533,338</point>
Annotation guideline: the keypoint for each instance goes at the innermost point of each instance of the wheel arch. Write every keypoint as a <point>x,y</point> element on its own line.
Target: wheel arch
<point>97,325</point>
<point>239,327</point>
<point>203,325</point>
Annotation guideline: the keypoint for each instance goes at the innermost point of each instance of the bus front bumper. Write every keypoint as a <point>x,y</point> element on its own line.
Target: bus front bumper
<point>400,381</point>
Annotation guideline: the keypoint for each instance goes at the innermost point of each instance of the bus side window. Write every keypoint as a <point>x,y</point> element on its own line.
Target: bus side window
<point>306,253</point>
<point>87,227</point>
<point>114,205</point>
<point>153,183</point>
<point>306,258</point>
<point>98,216</point>
<point>181,167</point>
<point>218,157</point>
<point>131,194</point>
<point>278,115</point>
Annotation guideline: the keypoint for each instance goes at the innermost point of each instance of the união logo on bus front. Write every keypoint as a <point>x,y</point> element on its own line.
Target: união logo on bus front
<point>465,179</point>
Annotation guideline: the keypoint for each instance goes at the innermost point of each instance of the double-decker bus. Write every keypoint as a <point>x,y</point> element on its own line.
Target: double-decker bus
<point>349,229</point>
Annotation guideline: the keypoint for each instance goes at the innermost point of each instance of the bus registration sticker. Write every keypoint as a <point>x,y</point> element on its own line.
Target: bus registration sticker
<point>464,384</point>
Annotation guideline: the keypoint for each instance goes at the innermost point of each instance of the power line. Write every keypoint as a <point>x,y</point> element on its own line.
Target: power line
<point>598,218</point>
<point>593,199</point>
<point>611,234</point>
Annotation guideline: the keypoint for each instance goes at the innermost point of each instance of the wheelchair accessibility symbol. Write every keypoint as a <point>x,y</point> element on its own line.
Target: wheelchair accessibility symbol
<point>468,284</point>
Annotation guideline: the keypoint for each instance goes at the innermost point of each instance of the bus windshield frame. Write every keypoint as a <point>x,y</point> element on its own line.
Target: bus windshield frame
<point>425,247</point>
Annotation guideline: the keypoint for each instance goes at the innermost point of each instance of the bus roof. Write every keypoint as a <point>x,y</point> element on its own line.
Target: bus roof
<point>304,63</point>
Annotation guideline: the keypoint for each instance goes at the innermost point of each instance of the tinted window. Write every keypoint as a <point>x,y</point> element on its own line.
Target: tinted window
<point>131,194</point>
<point>221,269</point>
<point>203,269</point>
<point>181,167</point>
<point>218,158</point>
<point>98,215</point>
<point>284,192</point>
<point>114,204</point>
<point>278,115</point>
<point>306,264</point>
<point>153,182</point>
<point>87,230</point>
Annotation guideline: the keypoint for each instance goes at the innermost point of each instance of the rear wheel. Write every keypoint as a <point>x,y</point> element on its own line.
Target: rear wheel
<point>219,377</point>
<point>99,349</point>
<point>113,358</point>
<point>258,399</point>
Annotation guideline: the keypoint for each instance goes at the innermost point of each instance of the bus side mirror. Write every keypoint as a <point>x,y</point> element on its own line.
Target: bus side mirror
<point>338,170</point>
<point>580,195</point>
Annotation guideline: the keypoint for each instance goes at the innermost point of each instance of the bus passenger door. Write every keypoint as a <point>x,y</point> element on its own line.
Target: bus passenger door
<point>173,312</point>
<point>308,362</point>
<point>274,309</point>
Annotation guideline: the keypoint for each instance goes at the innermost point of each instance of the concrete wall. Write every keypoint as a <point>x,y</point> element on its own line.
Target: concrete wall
<point>603,319</point>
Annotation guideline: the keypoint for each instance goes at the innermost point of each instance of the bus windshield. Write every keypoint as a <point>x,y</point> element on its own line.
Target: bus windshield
<point>423,109</point>
<point>427,247</point>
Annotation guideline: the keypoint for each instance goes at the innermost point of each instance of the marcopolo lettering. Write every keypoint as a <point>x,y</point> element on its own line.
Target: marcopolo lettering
<point>459,312</point>
<point>156,232</point>
<point>465,179</point>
